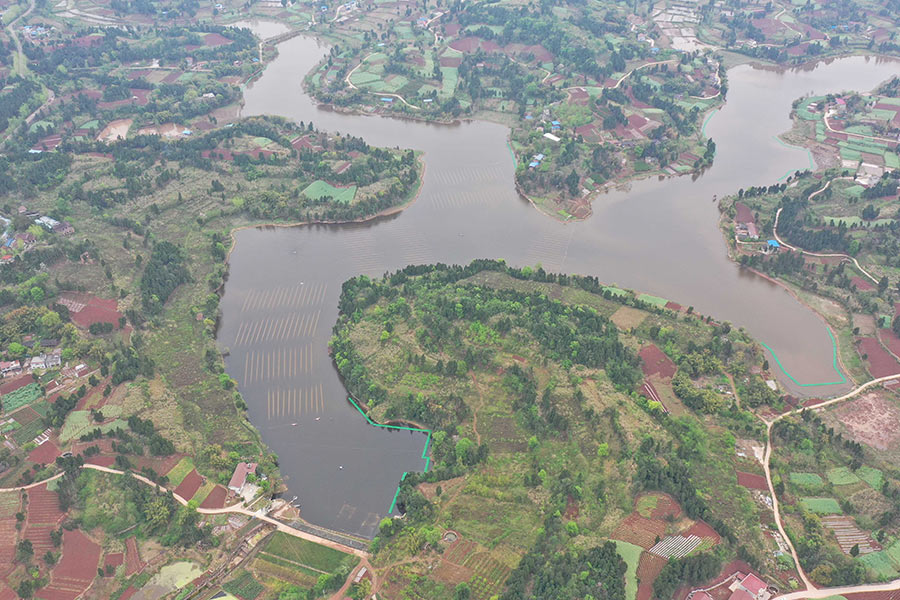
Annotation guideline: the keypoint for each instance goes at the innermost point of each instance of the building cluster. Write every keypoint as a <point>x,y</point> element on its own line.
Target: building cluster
<point>741,587</point>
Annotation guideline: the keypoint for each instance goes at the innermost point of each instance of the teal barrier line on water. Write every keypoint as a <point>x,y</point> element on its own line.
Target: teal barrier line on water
<point>703,129</point>
<point>834,364</point>
<point>397,493</point>
<point>812,164</point>
<point>426,458</point>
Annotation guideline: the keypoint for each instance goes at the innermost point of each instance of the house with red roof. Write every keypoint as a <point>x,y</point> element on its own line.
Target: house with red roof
<point>239,478</point>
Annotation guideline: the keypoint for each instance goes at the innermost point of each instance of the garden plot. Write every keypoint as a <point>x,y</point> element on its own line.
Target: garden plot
<point>675,546</point>
<point>849,535</point>
<point>822,506</point>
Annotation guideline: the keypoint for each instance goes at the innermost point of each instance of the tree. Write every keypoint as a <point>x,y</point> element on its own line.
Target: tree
<point>854,551</point>
<point>462,591</point>
<point>882,284</point>
<point>895,326</point>
<point>24,551</point>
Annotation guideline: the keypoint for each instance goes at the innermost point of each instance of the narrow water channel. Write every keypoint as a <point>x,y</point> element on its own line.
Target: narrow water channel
<point>659,237</point>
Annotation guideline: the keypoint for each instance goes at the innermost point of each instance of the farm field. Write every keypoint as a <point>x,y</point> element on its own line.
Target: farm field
<point>306,554</point>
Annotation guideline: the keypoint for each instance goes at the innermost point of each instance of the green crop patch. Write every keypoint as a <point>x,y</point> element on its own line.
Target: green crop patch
<point>809,480</point>
<point>21,397</point>
<point>244,586</point>
<point>319,189</point>
<point>822,506</point>
<point>874,477</point>
<point>304,553</point>
<point>631,554</point>
<point>881,563</point>
<point>177,474</point>
<point>842,476</point>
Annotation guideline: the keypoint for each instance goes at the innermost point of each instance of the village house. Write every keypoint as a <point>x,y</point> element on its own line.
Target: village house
<point>743,587</point>
<point>38,362</point>
<point>11,367</point>
<point>47,223</point>
<point>64,228</point>
<point>239,478</point>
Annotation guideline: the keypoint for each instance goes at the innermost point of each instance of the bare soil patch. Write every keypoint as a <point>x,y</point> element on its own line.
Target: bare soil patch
<point>626,317</point>
<point>872,419</point>
<point>655,362</point>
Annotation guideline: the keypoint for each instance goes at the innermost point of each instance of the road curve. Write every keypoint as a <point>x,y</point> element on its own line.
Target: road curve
<point>810,591</point>
<point>237,510</point>
<point>824,255</point>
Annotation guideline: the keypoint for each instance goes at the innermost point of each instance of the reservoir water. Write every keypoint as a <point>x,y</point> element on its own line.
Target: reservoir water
<point>659,237</point>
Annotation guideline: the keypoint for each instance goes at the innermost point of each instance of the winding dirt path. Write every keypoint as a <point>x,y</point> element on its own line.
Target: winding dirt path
<point>819,254</point>
<point>810,590</point>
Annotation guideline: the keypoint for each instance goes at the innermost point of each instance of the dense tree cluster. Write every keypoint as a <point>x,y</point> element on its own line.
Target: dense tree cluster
<point>164,272</point>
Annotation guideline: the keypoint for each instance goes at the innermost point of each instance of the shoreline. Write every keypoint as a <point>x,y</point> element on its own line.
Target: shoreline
<point>387,212</point>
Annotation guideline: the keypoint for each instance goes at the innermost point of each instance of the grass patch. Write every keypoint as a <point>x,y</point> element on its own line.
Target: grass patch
<point>881,563</point>
<point>654,300</point>
<point>842,476</point>
<point>646,504</point>
<point>177,474</point>
<point>303,552</point>
<point>631,554</point>
<point>822,506</point>
<point>320,189</point>
<point>874,477</point>
<point>810,480</point>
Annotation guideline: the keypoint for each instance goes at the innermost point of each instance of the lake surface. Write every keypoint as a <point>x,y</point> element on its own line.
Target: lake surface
<point>659,237</point>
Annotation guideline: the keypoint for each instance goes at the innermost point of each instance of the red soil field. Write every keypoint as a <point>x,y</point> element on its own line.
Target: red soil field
<point>666,505</point>
<point>654,361</point>
<point>7,593</point>
<point>881,363</point>
<point>673,306</point>
<point>215,39</point>
<point>450,61</point>
<point>887,337</point>
<point>649,567</point>
<point>742,213</point>
<point>702,530</point>
<point>133,562</point>
<point>872,419</point>
<point>44,454</point>
<point>14,384</point>
<point>469,45</point>
<point>75,572</point>
<point>87,309</point>
<point>39,535</point>
<point>752,481</point>
<point>27,415</point>
<point>105,446</point>
<point>128,594</point>
<point>216,498</point>
<point>160,465</point>
<point>895,595</point>
<point>189,485</point>
<point>115,559</point>
<point>101,461</point>
<point>863,285</point>
<point>638,530</point>
<point>7,540</point>
<point>43,506</point>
